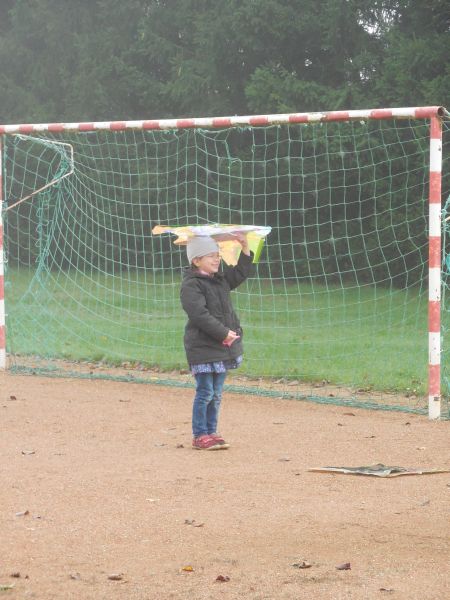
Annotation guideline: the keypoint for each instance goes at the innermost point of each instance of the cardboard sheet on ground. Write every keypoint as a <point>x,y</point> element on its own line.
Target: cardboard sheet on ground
<point>225,236</point>
<point>379,470</point>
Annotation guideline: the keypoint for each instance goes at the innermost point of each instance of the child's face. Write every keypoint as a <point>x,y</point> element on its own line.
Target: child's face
<point>209,263</point>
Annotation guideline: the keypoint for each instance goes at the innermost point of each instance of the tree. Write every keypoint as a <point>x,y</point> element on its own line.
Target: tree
<point>415,69</point>
<point>102,59</point>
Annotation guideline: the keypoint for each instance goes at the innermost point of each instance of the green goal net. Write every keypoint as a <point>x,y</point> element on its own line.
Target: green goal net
<point>336,310</point>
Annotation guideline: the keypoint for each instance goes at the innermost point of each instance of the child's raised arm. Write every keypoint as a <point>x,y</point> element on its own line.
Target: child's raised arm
<point>239,273</point>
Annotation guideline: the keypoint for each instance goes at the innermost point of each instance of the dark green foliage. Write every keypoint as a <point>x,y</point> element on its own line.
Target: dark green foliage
<point>108,59</point>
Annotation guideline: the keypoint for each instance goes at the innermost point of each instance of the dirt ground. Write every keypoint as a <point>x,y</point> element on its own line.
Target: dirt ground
<point>98,479</point>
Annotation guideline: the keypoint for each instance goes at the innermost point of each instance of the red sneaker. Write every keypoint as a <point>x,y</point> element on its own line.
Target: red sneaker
<point>219,439</point>
<point>206,442</point>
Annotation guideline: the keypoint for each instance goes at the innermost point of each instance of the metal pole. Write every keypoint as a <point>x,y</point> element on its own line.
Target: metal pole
<point>2,271</point>
<point>434,270</point>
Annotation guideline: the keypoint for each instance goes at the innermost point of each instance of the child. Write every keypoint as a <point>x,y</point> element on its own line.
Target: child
<point>212,338</point>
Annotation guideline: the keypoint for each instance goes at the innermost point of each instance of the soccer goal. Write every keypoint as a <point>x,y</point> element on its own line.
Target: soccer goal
<point>345,303</point>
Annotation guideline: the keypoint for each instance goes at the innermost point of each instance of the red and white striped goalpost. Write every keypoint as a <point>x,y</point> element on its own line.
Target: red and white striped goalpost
<point>2,272</point>
<point>434,270</point>
<point>434,113</point>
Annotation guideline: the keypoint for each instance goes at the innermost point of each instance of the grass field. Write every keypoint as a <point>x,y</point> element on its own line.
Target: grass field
<point>366,337</point>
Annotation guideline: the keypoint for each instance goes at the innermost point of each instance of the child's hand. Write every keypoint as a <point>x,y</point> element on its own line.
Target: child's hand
<point>231,337</point>
<point>242,239</point>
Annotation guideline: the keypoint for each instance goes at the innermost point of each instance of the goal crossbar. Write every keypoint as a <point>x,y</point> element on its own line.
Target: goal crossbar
<point>427,112</point>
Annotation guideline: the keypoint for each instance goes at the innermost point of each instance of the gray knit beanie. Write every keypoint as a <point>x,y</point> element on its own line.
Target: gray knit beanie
<point>200,246</point>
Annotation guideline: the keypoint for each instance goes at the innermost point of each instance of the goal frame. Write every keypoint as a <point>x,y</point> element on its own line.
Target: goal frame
<point>434,114</point>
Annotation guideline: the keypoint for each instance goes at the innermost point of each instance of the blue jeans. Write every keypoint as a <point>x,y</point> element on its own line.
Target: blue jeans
<point>208,395</point>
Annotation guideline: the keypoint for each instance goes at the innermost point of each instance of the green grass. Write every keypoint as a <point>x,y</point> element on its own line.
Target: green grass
<point>371,338</point>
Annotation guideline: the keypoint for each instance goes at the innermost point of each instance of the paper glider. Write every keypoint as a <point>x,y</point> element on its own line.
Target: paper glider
<point>225,235</point>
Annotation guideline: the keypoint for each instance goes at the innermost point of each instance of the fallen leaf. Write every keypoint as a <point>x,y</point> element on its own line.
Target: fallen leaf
<point>180,445</point>
<point>193,523</point>
<point>222,578</point>
<point>12,398</point>
<point>27,452</point>
<point>115,576</point>
<point>344,567</point>
<point>187,568</point>
<point>349,414</point>
<point>284,459</point>
<point>387,590</point>
<point>15,574</point>
<point>75,576</point>
<point>302,565</point>
<point>23,513</point>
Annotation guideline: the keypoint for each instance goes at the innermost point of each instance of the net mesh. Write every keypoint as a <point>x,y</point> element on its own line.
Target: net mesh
<point>337,307</point>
